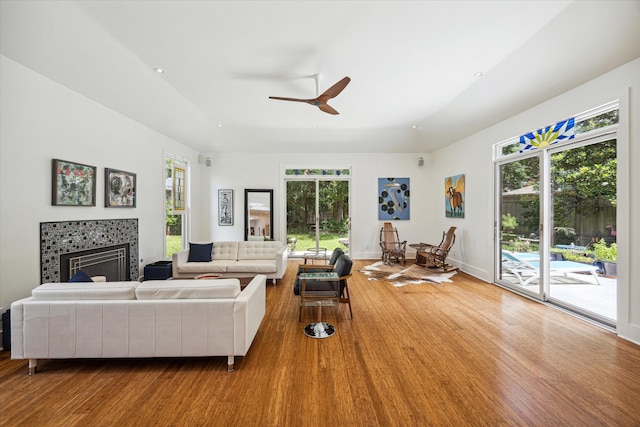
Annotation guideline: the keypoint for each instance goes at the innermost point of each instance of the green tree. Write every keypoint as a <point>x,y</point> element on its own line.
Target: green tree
<point>509,222</point>
<point>602,120</point>
<point>585,173</point>
<point>583,181</point>
<point>333,206</point>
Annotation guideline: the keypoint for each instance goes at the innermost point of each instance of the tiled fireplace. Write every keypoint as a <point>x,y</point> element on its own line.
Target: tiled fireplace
<point>106,247</point>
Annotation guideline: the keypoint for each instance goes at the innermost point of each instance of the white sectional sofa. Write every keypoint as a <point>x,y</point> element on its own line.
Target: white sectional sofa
<point>172,318</point>
<point>235,259</point>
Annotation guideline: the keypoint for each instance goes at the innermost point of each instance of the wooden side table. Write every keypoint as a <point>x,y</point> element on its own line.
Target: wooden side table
<point>313,254</point>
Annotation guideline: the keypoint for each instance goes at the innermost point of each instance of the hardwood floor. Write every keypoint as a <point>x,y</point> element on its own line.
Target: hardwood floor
<point>461,353</point>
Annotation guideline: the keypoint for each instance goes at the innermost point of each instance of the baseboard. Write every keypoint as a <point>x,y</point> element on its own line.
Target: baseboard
<point>478,273</point>
<point>1,330</point>
<point>630,332</point>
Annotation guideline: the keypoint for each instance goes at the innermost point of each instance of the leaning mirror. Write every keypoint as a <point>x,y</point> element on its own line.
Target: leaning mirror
<point>258,214</point>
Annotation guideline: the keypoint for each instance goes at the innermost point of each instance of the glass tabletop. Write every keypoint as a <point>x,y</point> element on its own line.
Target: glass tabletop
<point>320,276</point>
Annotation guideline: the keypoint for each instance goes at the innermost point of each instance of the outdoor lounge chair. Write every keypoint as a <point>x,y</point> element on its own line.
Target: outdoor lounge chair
<point>528,270</point>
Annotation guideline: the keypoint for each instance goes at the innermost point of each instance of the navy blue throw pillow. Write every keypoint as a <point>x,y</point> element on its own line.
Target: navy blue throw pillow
<point>80,276</point>
<point>200,252</point>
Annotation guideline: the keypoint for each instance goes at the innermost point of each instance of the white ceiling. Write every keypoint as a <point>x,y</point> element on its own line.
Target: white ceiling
<point>411,63</point>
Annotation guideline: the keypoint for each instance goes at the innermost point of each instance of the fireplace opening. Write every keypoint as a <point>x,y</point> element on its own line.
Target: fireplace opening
<point>111,261</point>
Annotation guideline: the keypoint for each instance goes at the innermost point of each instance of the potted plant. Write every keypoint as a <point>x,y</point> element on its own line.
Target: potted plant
<point>606,256</point>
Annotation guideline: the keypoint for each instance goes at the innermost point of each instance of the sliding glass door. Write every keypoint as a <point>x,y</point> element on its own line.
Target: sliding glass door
<point>519,224</point>
<point>556,214</point>
<point>317,212</point>
<point>583,233</point>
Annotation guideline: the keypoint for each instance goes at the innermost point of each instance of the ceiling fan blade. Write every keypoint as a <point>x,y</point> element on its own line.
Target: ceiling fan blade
<point>327,109</point>
<point>281,98</point>
<point>335,90</point>
<point>321,101</point>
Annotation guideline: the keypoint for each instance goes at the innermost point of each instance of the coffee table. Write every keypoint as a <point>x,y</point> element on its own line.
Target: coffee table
<point>207,276</point>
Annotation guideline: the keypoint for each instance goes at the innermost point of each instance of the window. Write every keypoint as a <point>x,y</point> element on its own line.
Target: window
<point>317,206</point>
<point>560,132</point>
<point>556,199</point>
<point>318,172</point>
<point>175,204</point>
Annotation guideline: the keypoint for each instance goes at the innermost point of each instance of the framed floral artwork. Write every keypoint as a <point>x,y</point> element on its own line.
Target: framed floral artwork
<point>72,184</point>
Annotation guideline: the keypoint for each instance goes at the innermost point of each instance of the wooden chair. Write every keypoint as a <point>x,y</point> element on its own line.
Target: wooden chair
<point>392,247</point>
<point>432,256</point>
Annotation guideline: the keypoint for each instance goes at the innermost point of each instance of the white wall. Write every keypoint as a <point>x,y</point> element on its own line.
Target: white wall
<point>263,171</point>
<point>41,120</point>
<point>472,156</point>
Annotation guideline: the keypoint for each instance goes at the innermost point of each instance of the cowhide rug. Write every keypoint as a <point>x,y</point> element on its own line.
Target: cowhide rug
<point>401,275</point>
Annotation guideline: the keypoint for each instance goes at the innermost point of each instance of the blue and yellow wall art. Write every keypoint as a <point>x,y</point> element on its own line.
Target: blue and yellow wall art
<point>454,196</point>
<point>393,199</point>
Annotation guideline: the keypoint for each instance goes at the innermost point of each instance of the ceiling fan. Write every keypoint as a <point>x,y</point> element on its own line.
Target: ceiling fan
<point>321,100</point>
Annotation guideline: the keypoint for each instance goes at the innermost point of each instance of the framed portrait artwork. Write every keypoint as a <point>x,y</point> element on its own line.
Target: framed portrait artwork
<point>72,184</point>
<point>225,207</point>
<point>119,189</point>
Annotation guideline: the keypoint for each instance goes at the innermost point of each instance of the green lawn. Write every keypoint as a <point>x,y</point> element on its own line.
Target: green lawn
<point>174,244</point>
<point>306,241</point>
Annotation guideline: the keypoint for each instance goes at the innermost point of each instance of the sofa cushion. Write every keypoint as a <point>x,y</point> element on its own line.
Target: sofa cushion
<point>188,289</point>
<point>199,252</point>
<point>225,251</point>
<point>258,250</point>
<point>80,277</point>
<point>85,291</point>
<point>215,266</point>
<point>258,266</point>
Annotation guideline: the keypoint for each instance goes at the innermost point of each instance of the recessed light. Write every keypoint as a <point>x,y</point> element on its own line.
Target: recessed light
<point>478,74</point>
<point>414,126</point>
<point>159,70</point>
<point>219,125</point>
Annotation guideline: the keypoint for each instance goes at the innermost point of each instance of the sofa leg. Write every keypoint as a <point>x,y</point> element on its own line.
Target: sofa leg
<point>33,366</point>
<point>230,364</point>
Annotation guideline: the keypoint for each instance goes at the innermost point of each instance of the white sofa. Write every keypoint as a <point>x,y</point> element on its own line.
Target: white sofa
<point>171,318</point>
<point>235,259</point>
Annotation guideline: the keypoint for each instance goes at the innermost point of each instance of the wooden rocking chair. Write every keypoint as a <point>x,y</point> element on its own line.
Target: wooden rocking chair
<point>432,256</point>
<point>391,245</point>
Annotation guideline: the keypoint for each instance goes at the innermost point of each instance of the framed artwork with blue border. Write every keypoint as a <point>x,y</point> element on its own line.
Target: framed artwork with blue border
<point>393,199</point>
